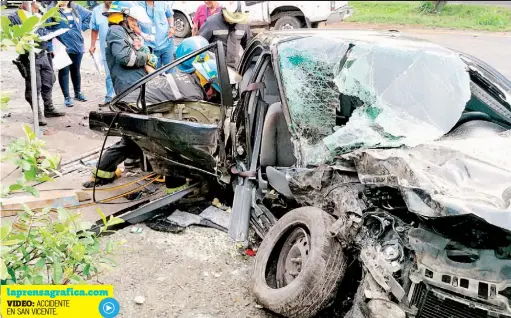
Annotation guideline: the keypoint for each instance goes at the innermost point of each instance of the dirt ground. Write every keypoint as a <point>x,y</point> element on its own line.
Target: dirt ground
<point>196,273</point>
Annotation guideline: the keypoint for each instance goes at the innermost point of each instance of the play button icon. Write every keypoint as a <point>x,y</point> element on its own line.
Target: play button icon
<point>109,308</point>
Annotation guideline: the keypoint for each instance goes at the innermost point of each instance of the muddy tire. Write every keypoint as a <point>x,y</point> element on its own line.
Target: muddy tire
<point>316,282</point>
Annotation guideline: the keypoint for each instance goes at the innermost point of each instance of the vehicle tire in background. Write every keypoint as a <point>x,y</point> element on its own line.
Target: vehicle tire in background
<point>183,28</point>
<point>299,265</point>
<point>288,23</point>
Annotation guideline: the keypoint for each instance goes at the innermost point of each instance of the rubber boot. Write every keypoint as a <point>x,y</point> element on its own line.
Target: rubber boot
<point>175,184</point>
<point>131,163</point>
<point>51,111</point>
<point>97,181</point>
<point>42,121</point>
<point>101,181</point>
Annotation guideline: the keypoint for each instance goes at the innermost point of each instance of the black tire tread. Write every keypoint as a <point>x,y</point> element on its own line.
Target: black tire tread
<point>291,19</point>
<point>316,292</point>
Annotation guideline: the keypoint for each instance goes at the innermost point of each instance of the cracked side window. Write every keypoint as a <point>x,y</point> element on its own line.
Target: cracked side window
<point>369,95</point>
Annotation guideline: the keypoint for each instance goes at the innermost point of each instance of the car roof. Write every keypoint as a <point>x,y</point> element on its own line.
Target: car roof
<point>390,38</point>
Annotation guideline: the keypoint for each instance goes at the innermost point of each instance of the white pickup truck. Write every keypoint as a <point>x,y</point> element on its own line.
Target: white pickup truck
<point>280,15</point>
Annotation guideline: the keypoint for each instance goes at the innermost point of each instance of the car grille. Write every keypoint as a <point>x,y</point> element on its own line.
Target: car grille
<point>431,306</point>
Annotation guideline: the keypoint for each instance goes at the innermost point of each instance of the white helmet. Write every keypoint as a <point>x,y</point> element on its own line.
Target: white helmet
<point>138,13</point>
<point>128,8</point>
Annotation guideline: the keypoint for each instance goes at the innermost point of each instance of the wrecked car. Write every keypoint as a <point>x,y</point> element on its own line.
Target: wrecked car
<point>375,167</point>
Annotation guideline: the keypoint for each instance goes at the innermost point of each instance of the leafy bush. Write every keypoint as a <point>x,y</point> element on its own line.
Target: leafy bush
<point>431,7</point>
<point>23,36</point>
<point>35,162</point>
<point>38,250</point>
<point>493,18</point>
<point>427,7</point>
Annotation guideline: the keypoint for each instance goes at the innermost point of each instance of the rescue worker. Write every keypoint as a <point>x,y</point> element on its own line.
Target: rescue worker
<point>124,55</point>
<point>231,27</point>
<point>126,62</point>
<point>43,67</point>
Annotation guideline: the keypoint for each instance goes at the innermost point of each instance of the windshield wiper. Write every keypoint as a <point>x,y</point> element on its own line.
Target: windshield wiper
<point>493,89</point>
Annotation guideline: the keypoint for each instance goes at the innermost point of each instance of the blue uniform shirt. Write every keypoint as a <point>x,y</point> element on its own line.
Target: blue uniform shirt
<point>77,20</point>
<point>159,15</point>
<point>99,22</point>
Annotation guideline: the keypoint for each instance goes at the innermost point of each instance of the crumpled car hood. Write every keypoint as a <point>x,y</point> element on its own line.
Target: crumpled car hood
<point>446,177</point>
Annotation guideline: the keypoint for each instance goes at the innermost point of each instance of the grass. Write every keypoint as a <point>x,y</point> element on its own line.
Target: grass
<point>454,16</point>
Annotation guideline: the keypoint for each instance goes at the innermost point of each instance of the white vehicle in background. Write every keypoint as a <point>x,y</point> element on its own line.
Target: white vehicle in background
<point>280,15</point>
<point>287,15</point>
<point>183,15</point>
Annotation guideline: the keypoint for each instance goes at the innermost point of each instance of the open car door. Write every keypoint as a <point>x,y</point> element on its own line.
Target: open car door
<point>180,138</point>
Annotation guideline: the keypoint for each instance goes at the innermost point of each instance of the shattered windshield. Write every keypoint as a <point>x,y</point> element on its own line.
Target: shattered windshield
<point>344,95</point>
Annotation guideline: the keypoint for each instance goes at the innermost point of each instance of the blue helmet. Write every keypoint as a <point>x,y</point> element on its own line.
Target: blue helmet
<point>207,72</point>
<point>188,46</point>
<point>118,6</point>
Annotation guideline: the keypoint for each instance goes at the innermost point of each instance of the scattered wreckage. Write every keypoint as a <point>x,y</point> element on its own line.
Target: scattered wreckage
<point>353,147</point>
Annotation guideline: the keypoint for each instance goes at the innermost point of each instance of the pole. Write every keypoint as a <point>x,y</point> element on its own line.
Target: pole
<point>33,80</point>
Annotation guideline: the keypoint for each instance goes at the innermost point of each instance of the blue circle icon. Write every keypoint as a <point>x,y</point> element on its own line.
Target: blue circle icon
<point>109,308</point>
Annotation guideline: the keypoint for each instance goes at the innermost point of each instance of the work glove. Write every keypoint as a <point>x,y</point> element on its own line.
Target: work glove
<point>145,49</point>
<point>152,60</point>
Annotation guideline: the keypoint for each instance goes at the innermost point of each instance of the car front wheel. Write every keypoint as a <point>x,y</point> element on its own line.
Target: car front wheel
<point>299,265</point>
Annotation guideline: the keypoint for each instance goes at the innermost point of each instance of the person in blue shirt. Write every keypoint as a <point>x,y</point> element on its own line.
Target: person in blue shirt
<point>77,19</point>
<point>160,33</point>
<point>99,26</point>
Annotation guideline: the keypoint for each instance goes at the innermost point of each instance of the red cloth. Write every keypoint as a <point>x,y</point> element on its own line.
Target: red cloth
<point>250,252</point>
<point>202,13</point>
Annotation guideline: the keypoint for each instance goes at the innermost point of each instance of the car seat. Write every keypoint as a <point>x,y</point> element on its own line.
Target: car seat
<point>276,145</point>
<point>276,149</point>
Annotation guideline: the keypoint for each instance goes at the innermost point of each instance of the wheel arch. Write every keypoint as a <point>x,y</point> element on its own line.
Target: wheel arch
<point>188,17</point>
<point>281,11</point>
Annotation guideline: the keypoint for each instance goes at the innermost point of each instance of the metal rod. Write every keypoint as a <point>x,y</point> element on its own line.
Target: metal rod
<point>33,79</point>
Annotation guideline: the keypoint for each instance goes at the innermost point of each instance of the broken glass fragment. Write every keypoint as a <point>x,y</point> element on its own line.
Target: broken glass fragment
<point>382,95</point>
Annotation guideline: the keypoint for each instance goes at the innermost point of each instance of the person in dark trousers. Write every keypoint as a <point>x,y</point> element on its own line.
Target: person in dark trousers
<point>126,62</point>
<point>43,67</point>
<point>126,65</point>
<point>231,27</point>
<point>77,19</point>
